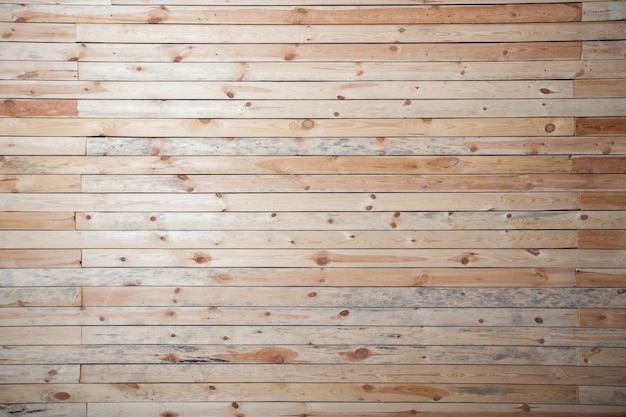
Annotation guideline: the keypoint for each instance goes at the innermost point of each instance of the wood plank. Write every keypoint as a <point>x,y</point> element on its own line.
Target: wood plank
<point>44,335</point>
<point>296,354</point>
<point>42,145</point>
<point>264,109</point>
<point>371,258</point>
<point>37,70</point>
<point>398,374</point>
<point>602,201</point>
<point>601,278</point>
<point>602,395</point>
<point>350,221</point>
<point>355,183</point>
<point>384,145</point>
<point>322,2</point>
<point>262,409</point>
<point>253,316</point>
<point>45,410</point>
<point>600,126</point>
<point>37,32</point>
<point>425,336</point>
<point>289,392</point>
<point>207,90</point>
<point>304,239</point>
<point>603,49</point>
<point>406,33</point>
<point>602,356</point>
<point>281,202</point>
<point>40,221</point>
<point>341,298</point>
<point>603,10</point>
<point>598,164</point>
<point>35,108</point>
<point>47,165</point>
<point>29,296</point>
<point>43,126</point>
<point>272,277</point>
<point>312,15</point>
<point>61,258</point>
<point>606,239</point>
<point>40,183</point>
<point>603,318</point>
<point>38,374</point>
<point>600,88</point>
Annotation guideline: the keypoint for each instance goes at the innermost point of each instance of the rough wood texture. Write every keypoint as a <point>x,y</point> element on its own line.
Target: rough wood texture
<point>279,208</point>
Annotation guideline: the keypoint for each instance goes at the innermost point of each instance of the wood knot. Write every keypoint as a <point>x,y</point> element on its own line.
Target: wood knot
<point>549,128</point>
<point>172,358</point>
<point>308,124</point>
<point>344,313</point>
<point>312,294</point>
<point>290,56</point>
<point>201,258</point>
<point>538,320</point>
<point>362,353</point>
<point>322,258</point>
<point>169,414</point>
<point>368,388</point>
<point>546,91</point>
<point>61,396</point>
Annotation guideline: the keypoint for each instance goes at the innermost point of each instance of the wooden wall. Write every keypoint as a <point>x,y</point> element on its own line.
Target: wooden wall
<point>249,208</point>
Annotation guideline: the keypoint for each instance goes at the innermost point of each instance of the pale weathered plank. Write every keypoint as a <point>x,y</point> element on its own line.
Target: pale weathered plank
<point>45,410</point>
<point>602,356</point>
<point>25,258</point>
<point>598,395</point>
<point>30,297</point>
<point>42,146</point>
<point>603,10</point>
<point>43,335</point>
<point>37,32</point>
<point>39,221</point>
<point>37,70</point>
<point>37,374</point>
<point>604,49</point>
<point>40,183</point>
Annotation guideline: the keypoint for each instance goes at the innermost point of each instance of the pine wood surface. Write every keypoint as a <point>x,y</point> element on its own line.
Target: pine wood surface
<point>312,208</point>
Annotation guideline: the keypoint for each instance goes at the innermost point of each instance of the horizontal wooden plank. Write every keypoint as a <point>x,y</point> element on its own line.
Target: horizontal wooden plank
<point>35,108</point>
<point>40,221</point>
<point>425,336</point>
<point>296,354</point>
<point>297,239</point>
<point>341,298</point>
<point>313,15</point>
<point>295,316</point>
<point>40,183</point>
<point>30,297</point>
<point>38,374</point>
<point>43,126</point>
<point>46,410</point>
<point>289,392</point>
<point>315,2</point>
<point>603,10</point>
<point>37,32</point>
<point>44,335</point>
<point>604,49</point>
<point>607,239</point>
<point>398,374</point>
<point>615,395</point>
<point>598,164</point>
<point>357,146</point>
<point>348,71</point>
<point>601,277</point>
<point>602,201</point>
<point>371,258</point>
<point>280,202</point>
<point>276,277</point>
<point>600,88</point>
<point>60,258</point>
<point>600,126</point>
<point>497,32</point>
<point>225,409</point>
<point>291,165</point>
<point>350,221</point>
<point>603,318</point>
<point>112,183</point>
<point>37,70</point>
<point>602,356</point>
<point>42,146</point>
<point>320,90</point>
<point>354,109</point>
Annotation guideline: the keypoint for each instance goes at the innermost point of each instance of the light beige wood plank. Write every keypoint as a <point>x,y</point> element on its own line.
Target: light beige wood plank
<point>406,33</point>
<point>40,183</point>
<point>313,15</point>
<point>31,297</point>
<point>38,374</point>
<point>288,127</point>
<point>353,297</point>
<point>603,318</point>
<point>357,146</point>
<point>296,354</point>
<point>39,221</point>
<point>273,277</point>
<point>324,2</point>
<point>601,277</point>
<point>287,240</point>
<point>264,109</point>
<point>398,374</point>
<point>46,410</point>
<point>37,32</point>
<point>280,202</point>
<point>44,335</point>
<point>37,70</point>
<point>604,49</point>
<point>216,258</point>
<point>598,395</point>
<point>603,356</point>
<point>600,88</point>
<point>289,392</point>
<point>603,10</point>
<point>20,145</point>
<point>410,221</point>
<point>25,258</point>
